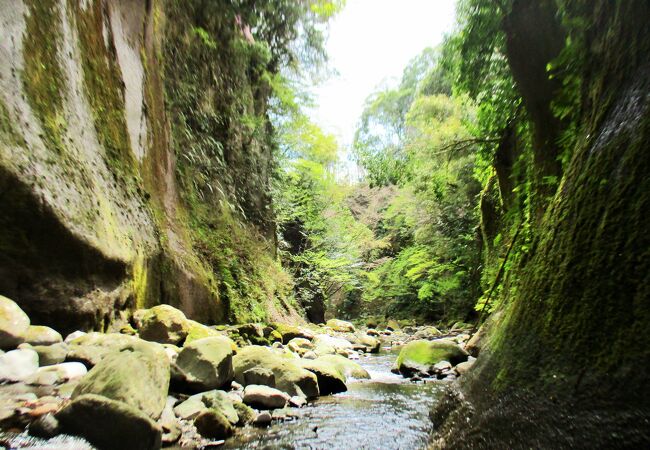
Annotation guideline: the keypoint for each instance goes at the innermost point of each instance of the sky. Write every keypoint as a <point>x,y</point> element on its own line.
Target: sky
<point>370,42</point>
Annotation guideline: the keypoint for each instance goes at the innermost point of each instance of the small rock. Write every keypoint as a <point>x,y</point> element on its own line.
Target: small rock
<point>212,424</point>
<point>392,325</point>
<point>463,367</point>
<point>442,366</point>
<point>372,332</point>
<point>259,375</point>
<point>297,401</point>
<point>330,379</point>
<point>45,427</point>
<point>41,335</point>
<point>310,355</point>
<point>14,324</point>
<point>263,419</point>
<point>18,365</point>
<point>57,374</point>
<point>264,397</point>
<point>49,355</point>
<point>74,335</point>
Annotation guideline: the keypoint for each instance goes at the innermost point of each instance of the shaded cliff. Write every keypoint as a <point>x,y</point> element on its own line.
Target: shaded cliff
<point>135,154</point>
<point>560,368</point>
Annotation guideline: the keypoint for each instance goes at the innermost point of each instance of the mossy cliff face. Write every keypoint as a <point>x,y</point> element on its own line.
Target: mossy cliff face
<point>104,135</point>
<point>564,367</point>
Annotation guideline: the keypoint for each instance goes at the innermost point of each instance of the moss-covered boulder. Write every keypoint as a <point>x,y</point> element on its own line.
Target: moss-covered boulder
<point>205,364</point>
<point>419,356</point>
<point>348,368</point>
<point>289,332</point>
<point>393,325</point>
<point>198,331</point>
<point>90,348</point>
<point>340,325</point>
<point>14,324</point>
<point>427,333</point>
<point>137,375</point>
<point>325,344</point>
<point>164,324</point>
<point>42,335</point>
<point>212,424</point>
<point>109,424</point>
<point>367,344</point>
<point>246,413</point>
<point>289,376</point>
<point>331,379</point>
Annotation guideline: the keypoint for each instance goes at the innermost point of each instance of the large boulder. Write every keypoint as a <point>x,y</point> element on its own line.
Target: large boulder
<point>137,375</point>
<point>41,335</point>
<point>427,333</point>
<point>331,380</point>
<point>109,424</point>
<point>206,364</point>
<point>289,376</point>
<point>91,348</point>
<point>18,365</point>
<point>340,325</point>
<point>324,344</point>
<point>290,332</point>
<point>14,324</point>
<point>259,375</point>
<point>367,343</point>
<point>164,324</point>
<point>198,331</point>
<point>348,368</point>
<point>418,356</point>
<point>264,397</point>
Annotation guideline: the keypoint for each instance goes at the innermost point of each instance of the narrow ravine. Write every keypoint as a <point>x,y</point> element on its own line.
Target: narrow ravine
<point>387,411</point>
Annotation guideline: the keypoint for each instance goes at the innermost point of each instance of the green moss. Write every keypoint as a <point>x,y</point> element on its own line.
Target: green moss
<point>424,353</point>
<point>8,133</point>
<point>105,91</point>
<point>43,78</point>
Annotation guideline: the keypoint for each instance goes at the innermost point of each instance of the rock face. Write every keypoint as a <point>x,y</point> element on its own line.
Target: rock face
<point>207,363</point>
<point>289,376</point>
<point>14,324</point>
<point>419,356</point>
<point>137,375</point>
<point>109,424</point>
<point>264,397</point>
<point>164,324</point>
<point>93,223</point>
<point>340,325</point>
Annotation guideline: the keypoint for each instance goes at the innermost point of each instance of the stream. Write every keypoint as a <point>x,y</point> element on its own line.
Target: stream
<point>386,412</point>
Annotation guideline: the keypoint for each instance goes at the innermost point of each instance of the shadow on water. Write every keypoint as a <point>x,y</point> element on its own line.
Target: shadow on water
<point>385,412</point>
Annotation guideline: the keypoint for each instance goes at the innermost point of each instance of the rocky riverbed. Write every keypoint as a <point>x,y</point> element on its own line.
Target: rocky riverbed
<point>167,381</point>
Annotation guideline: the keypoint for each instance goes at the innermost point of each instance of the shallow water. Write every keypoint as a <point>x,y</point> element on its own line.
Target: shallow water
<point>386,412</point>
